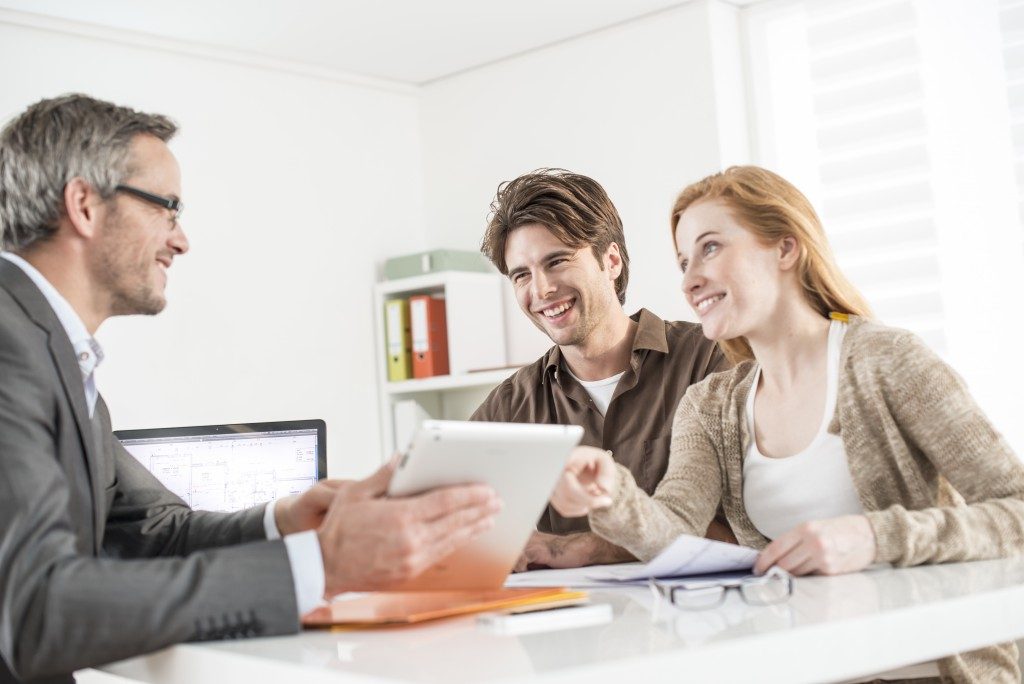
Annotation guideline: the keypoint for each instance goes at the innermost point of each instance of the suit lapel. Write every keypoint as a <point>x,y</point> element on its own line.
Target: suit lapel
<point>35,306</point>
<point>101,509</point>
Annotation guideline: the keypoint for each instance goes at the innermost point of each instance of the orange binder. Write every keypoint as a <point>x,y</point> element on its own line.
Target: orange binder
<point>385,608</point>
<point>429,336</point>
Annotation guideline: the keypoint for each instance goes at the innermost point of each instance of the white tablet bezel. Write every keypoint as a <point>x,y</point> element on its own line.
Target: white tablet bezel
<point>522,462</point>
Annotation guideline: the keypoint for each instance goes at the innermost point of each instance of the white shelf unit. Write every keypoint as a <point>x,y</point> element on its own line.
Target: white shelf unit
<point>474,312</point>
<point>441,383</point>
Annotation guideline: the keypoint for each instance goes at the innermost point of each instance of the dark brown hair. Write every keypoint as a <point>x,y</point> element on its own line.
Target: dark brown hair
<point>772,208</point>
<point>574,208</point>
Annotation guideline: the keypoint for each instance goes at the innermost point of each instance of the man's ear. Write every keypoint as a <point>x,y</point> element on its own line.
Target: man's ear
<point>83,207</point>
<point>789,250</point>
<point>613,260</point>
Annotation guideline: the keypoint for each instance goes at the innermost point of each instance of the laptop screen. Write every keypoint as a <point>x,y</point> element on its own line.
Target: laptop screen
<point>232,467</point>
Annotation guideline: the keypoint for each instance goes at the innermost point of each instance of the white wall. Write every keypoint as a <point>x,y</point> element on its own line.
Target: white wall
<point>644,108</point>
<point>295,187</point>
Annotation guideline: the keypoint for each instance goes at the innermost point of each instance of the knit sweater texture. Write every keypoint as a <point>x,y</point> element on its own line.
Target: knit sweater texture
<point>937,482</point>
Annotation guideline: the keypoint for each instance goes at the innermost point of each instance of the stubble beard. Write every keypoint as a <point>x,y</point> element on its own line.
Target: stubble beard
<point>578,335</point>
<point>136,297</point>
<point>126,281</point>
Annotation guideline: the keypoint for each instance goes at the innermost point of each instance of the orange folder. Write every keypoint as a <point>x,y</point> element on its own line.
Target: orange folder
<point>408,607</point>
<point>429,336</point>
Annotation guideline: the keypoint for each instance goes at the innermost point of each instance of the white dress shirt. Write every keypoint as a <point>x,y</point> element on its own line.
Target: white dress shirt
<point>306,560</point>
<point>303,548</point>
<point>87,349</point>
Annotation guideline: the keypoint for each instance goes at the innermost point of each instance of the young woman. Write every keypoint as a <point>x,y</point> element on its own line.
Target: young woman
<point>834,443</point>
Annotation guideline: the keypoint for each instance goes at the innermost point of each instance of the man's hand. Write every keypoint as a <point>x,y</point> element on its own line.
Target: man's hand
<point>306,511</point>
<point>587,483</point>
<point>569,551</point>
<point>369,542</point>
<point>826,547</point>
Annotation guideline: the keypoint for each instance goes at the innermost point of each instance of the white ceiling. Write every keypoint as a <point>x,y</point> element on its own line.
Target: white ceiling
<point>412,41</point>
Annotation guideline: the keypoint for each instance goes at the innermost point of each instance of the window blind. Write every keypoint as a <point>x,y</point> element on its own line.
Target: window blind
<point>850,70</point>
<point>1011,22</point>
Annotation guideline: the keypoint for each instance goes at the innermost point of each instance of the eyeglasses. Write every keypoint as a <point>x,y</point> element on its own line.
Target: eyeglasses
<point>775,586</point>
<point>175,205</point>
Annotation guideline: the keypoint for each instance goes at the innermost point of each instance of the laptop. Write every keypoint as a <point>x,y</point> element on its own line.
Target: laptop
<point>232,467</point>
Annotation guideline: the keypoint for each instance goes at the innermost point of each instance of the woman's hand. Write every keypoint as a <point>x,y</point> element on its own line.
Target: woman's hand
<point>826,547</point>
<point>587,483</point>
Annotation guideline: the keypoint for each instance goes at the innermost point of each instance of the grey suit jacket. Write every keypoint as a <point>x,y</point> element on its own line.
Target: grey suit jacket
<point>98,561</point>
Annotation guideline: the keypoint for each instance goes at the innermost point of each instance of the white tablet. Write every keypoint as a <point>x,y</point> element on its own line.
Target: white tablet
<point>521,462</point>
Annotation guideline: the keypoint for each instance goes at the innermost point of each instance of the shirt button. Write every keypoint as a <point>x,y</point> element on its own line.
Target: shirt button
<point>84,356</point>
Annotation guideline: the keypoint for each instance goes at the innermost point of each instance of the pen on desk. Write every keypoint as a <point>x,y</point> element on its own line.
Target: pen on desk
<point>548,620</point>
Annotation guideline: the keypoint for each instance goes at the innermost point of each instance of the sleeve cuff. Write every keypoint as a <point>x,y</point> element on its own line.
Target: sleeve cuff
<point>611,519</point>
<point>889,535</point>
<point>307,569</point>
<point>269,523</point>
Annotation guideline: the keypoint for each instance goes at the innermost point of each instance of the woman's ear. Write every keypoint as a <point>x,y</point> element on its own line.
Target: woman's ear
<point>789,252</point>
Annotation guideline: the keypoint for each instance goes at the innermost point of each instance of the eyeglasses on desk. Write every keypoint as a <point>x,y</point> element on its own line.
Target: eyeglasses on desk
<point>775,586</point>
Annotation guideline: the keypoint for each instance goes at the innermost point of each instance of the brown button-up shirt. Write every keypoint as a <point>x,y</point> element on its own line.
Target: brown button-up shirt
<point>667,358</point>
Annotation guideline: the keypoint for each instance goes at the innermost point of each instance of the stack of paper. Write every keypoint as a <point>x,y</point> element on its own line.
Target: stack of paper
<point>686,556</point>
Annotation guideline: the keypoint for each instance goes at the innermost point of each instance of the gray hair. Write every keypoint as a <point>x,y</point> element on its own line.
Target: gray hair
<point>54,141</point>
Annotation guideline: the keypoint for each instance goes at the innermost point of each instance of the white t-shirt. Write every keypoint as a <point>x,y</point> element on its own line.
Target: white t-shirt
<point>781,493</point>
<point>600,391</point>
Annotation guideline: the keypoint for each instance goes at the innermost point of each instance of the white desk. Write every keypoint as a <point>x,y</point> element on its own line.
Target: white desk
<point>833,628</point>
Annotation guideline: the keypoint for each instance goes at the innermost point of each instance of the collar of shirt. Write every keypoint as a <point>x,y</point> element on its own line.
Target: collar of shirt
<point>87,349</point>
<point>650,334</point>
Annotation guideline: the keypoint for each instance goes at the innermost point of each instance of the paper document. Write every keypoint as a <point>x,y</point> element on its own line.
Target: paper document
<point>687,555</point>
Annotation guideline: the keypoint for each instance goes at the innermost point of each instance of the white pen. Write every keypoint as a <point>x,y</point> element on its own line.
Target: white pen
<point>551,619</point>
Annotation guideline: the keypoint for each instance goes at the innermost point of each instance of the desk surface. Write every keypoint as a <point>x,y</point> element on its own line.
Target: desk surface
<point>833,628</point>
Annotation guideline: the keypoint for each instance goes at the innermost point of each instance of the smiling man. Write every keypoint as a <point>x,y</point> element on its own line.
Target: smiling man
<point>98,561</point>
<point>559,239</point>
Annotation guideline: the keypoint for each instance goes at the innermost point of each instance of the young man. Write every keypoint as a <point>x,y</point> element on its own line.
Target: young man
<point>559,239</point>
<point>98,561</point>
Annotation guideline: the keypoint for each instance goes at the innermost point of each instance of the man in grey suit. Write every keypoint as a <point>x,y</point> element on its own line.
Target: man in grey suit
<point>98,561</point>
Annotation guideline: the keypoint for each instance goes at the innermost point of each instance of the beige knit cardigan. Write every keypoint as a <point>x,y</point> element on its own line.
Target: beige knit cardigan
<point>935,479</point>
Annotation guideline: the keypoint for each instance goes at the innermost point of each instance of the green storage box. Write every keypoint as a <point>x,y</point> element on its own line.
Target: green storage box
<point>433,261</point>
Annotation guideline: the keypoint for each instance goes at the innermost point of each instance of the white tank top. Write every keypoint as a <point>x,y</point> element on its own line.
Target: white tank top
<point>781,493</point>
